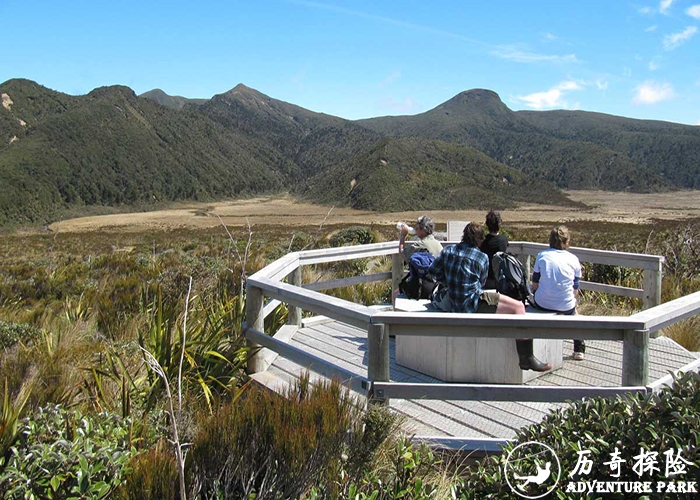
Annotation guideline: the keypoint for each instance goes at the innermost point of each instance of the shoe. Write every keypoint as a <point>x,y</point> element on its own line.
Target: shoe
<point>579,350</point>
<point>527,359</point>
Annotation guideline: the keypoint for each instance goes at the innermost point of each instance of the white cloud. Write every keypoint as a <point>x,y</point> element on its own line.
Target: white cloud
<point>569,85</point>
<point>549,37</point>
<point>646,11</point>
<point>627,72</point>
<point>395,75</point>
<point>601,84</point>
<point>552,98</point>
<point>674,40</point>
<point>694,11</point>
<point>651,92</point>
<point>654,64</point>
<point>405,107</point>
<point>664,5</point>
<point>698,123</point>
<point>519,55</point>
<point>650,29</point>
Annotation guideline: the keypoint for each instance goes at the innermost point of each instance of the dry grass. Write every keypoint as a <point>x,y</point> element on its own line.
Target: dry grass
<point>603,207</point>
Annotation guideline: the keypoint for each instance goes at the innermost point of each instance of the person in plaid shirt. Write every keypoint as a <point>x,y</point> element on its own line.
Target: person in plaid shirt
<point>462,270</point>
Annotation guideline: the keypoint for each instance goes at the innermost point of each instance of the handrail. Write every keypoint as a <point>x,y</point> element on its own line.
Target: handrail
<point>310,300</point>
<point>634,331</point>
<point>666,314</point>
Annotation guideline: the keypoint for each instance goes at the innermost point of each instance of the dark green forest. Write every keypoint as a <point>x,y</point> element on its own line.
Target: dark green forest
<point>112,149</point>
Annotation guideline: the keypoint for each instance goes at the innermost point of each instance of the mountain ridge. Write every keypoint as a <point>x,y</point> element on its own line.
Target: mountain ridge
<point>112,147</point>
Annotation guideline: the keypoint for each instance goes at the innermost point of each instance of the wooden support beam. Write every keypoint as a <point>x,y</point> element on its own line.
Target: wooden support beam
<point>496,392</point>
<point>294,312</point>
<point>635,358</point>
<point>396,271</point>
<point>378,359</point>
<point>652,287</point>
<point>343,282</point>
<point>255,319</point>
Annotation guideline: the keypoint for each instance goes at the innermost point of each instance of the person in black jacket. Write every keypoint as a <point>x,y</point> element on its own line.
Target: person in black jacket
<point>494,242</point>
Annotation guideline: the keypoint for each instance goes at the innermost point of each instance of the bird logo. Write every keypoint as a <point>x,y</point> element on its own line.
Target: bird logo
<point>532,470</point>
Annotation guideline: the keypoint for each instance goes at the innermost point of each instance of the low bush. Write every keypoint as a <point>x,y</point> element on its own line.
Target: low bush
<point>153,476</point>
<point>12,333</point>
<point>268,446</point>
<point>64,454</point>
<point>354,235</point>
<point>664,423</point>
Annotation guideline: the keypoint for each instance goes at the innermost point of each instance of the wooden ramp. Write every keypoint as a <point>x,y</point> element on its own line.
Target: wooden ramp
<point>346,346</point>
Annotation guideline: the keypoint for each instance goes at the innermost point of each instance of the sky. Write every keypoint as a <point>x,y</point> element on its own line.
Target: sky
<point>361,59</point>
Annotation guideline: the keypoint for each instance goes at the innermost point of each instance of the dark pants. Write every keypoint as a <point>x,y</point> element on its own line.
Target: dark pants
<point>579,345</point>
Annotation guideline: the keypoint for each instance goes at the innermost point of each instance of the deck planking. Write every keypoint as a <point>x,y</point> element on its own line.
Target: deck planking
<point>346,346</point>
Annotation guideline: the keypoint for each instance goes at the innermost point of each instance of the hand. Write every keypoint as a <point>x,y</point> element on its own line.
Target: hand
<point>404,231</point>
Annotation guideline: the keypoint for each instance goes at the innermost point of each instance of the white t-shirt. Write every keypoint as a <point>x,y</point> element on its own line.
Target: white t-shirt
<point>557,269</point>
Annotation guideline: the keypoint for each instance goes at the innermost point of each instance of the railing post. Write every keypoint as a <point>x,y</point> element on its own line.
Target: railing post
<point>254,319</point>
<point>396,274</point>
<point>635,358</point>
<point>378,359</point>
<point>294,312</point>
<point>652,287</point>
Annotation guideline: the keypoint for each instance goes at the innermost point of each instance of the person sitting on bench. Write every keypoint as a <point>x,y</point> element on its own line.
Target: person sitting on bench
<point>461,270</point>
<point>556,278</point>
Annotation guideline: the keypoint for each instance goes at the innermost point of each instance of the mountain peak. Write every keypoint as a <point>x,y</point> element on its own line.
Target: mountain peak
<point>476,100</point>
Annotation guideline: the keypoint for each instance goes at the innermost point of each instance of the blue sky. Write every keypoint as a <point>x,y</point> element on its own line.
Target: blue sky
<point>359,59</point>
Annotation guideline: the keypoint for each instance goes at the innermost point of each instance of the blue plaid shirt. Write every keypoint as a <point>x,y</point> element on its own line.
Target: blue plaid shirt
<point>464,270</point>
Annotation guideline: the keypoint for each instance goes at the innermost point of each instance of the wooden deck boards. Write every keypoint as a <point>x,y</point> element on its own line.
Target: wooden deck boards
<point>346,346</point>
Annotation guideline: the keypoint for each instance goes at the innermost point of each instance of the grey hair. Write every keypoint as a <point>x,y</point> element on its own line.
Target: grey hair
<point>426,224</point>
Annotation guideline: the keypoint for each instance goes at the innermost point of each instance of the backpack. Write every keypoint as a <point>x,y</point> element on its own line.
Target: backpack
<point>418,284</point>
<point>510,276</point>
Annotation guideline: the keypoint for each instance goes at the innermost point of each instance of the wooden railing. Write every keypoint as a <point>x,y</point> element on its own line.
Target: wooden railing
<point>634,331</point>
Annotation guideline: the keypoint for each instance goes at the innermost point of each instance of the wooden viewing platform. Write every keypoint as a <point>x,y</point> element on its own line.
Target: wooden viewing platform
<point>354,343</point>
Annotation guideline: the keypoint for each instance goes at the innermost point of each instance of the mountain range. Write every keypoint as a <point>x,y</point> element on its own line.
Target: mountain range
<point>114,148</point>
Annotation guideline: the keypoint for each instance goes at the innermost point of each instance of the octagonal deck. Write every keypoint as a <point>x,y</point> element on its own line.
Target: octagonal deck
<point>346,346</point>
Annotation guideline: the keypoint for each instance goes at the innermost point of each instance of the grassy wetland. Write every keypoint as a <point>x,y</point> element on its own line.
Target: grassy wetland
<point>121,340</point>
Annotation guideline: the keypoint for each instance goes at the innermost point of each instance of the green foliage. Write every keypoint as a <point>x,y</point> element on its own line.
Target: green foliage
<point>663,422</point>
<point>269,446</point>
<point>9,420</point>
<point>573,149</point>
<point>63,454</point>
<point>11,333</point>
<point>353,235</point>
<point>214,351</point>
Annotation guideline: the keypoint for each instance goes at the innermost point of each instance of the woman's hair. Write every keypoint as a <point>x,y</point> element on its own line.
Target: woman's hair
<point>493,221</point>
<point>560,238</point>
<point>426,224</point>
<point>473,235</point>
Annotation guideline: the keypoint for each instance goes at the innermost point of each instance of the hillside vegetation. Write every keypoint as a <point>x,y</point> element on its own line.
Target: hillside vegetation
<point>573,149</point>
<point>113,148</point>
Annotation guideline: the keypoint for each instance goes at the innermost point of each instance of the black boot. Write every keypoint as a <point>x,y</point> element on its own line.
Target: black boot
<point>528,361</point>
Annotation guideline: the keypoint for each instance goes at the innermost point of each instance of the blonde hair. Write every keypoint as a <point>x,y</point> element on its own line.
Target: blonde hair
<point>560,238</point>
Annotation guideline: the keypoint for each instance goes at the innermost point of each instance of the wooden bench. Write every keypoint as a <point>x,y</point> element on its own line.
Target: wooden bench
<point>467,359</point>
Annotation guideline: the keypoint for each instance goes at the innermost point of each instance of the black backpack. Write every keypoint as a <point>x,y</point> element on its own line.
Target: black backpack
<point>510,276</point>
<point>418,284</point>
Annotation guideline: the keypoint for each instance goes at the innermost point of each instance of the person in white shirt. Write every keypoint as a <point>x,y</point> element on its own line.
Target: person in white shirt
<point>556,278</point>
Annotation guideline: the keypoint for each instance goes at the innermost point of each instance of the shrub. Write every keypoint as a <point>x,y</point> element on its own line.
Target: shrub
<point>11,333</point>
<point>662,422</point>
<point>215,350</point>
<point>153,476</point>
<point>271,446</point>
<point>63,454</point>
<point>354,235</point>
